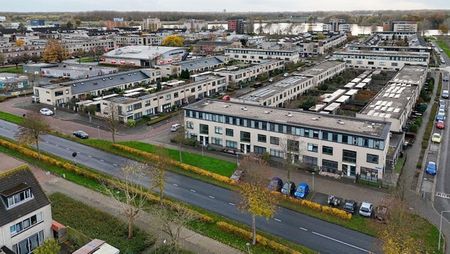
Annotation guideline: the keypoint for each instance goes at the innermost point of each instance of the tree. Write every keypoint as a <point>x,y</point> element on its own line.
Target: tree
<point>158,172</point>
<point>20,42</point>
<point>129,196</point>
<point>443,29</point>
<point>171,221</point>
<point>50,246</point>
<point>173,41</point>
<point>69,25</point>
<point>22,28</point>
<point>2,59</point>
<point>32,128</point>
<point>35,58</point>
<point>256,199</point>
<point>54,52</point>
<point>112,120</point>
<point>290,147</point>
<point>185,74</point>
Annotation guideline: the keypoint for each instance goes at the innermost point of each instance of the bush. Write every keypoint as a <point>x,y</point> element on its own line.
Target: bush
<point>131,123</point>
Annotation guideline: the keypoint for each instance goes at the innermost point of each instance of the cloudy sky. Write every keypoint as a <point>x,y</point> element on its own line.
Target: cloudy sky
<point>219,5</point>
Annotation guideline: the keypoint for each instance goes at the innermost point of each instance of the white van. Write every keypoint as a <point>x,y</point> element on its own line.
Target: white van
<point>175,127</point>
<point>445,94</point>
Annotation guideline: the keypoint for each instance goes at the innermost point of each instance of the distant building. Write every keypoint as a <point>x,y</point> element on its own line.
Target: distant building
<point>37,22</point>
<point>197,65</point>
<point>236,25</point>
<point>252,55</point>
<point>400,26</point>
<point>151,24</point>
<point>25,212</point>
<point>195,25</point>
<point>144,56</point>
<point>337,25</point>
<point>238,75</point>
<point>206,48</point>
<point>118,19</point>
<point>10,83</point>
<point>2,18</point>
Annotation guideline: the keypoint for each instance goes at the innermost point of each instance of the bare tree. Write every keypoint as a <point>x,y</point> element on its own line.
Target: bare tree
<point>171,222</point>
<point>31,129</point>
<point>113,120</point>
<point>290,147</point>
<point>129,196</point>
<point>158,171</point>
<point>256,198</point>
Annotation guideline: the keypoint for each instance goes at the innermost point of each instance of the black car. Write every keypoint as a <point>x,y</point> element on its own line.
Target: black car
<point>81,134</point>
<point>350,206</point>
<point>288,188</point>
<point>275,184</point>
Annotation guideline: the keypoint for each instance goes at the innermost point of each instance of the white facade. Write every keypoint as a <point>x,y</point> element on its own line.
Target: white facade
<point>250,73</point>
<point>389,60</point>
<point>152,24</point>
<point>405,27</point>
<point>252,55</point>
<point>322,46</point>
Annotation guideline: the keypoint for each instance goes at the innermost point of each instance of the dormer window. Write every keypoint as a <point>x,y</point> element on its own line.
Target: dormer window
<point>17,195</point>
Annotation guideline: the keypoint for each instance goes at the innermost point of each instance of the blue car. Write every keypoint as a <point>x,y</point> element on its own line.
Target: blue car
<point>440,117</point>
<point>302,190</point>
<point>431,168</point>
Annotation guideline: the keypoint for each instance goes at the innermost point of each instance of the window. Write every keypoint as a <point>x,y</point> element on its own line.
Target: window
<point>25,224</point>
<point>293,145</point>
<point>259,149</point>
<point>218,130</point>
<point>349,156</point>
<point>19,198</point>
<point>231,144</point>
<point>274,140</point>
<point>27,245</point>
<point>327,150</point>
<point>204,129</point>
<point>262,138</point>
<point>229,132</point>
<point>216,141</point>
<point>313,147</point>
<point>329,166</point>
<point>276,153</point>
<point>189,125</point>
<point>372,158</point>
<point>309,160</point>
<point>245,136</point>
<point>369,174</point>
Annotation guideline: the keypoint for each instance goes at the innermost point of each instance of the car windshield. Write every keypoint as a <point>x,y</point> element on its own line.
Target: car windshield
<point>364,209</point>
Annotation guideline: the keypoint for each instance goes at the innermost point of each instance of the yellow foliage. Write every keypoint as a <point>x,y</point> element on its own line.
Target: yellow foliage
<point>20,42</point>
<point>54,52</point>
<point>173,41</point>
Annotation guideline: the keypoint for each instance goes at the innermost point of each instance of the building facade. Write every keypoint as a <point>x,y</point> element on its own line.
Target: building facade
<point>347,147</point>
<point>253,55</point>
<point>250,73</point>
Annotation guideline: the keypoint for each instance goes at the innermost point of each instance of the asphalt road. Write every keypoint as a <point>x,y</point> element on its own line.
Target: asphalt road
<point>314,233</point>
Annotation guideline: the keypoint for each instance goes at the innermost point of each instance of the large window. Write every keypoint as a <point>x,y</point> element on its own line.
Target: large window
<point>327,150</point>
<point>216,141</point>
<point>349,156</point>
<point>229,132</point>
<point>262,138</point>
<point>372,158</point>
<point>313,147</point>
<point>259,149</point>
<point>204,129</point>
<point>274,141</point>
<point>19,198</point>
<point>309,160</point>
<point>218,130</point>
<point>27,245</point>
<point>276,153</point>
<point>245,136</point>
<point>25,224</point>
<point>329,166</point>
<point>293,145</point>
<point>231,144</point>
<point>369,174</point>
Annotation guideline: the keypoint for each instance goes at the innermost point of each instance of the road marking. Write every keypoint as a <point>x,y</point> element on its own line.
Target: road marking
<point>442,195</point>
<point>176,185</point>
<point>304,229</point>
<point>233,204</point>
<point>212,197</point>
<point>193,190</point>
<point>342,242</point>
<point>277,219</point>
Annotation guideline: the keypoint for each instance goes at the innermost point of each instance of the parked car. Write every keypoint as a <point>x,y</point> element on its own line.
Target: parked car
<point>441,111</point>
<point>445,94</point>
<point>302,190</point>
<point>81,134</point>
<point>431,168</point>
<point>350,206</point>
<point>288,188</point>
<point>440,117</point>
<point>175,127</point>
<point>436,138</point>
<point>271,80</point>
<point>442,103</point>
<point>46,112</point>
<point>286,74</point>
<point>381,213</point>
<point>275,184</point>
<point>442,108</point>
<point>333,200</point>
<point>440,125</point>
<point>366,209</point>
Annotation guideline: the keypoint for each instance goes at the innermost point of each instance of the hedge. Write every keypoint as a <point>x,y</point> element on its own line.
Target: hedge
<point>259,238</point>
<point>13,170</point>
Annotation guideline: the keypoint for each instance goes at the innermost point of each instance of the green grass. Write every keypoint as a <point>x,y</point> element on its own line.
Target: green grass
<point>399,164</point>
<point>444,46</point>
<point>86,59</point>
<point>11,118</point>
<point>217,166</point>
<point>97,225</point>
<point>12,69</point>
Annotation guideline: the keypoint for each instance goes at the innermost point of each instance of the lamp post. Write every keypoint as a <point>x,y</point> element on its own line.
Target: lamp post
<point>440,228</point>
<point>313,173</point>
<point>98,131</point>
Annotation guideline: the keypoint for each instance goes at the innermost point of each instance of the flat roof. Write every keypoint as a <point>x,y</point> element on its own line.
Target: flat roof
<point>140,52</point>
<point>410,74</point>
<point>382,53</point>
<point>342,124</point>
<point>320,68</point>
<point>251,67</point>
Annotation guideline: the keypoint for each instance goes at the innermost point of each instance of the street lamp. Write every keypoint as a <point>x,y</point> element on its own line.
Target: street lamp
<point>313,173</point>
<point>440,229</point>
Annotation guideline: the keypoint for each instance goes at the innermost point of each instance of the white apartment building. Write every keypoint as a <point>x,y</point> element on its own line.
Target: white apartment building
<point>60,94</point>
<point>237,75</point>
<point>404,26</point>
<point>320,47</point>
<point>383,60</point>
<point>88,44</point>
<point>342,146</point>
<point>134,108</point>
<point>395,102</point>
<point>281,92</point>
<point>253,55</point>
<point>25,213</point>
<point>151,24</point>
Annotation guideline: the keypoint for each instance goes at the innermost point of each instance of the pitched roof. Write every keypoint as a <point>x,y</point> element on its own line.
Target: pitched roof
<point>13,179</point>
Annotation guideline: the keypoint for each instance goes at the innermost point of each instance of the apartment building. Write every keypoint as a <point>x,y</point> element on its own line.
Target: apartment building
<point>401,26</point>
<point>143,56</point>
<point>237,75</point>
<point>10,83</point>
<point>384,60</point>
<point>25,212</point>
<point>253,55</point>
<point>88,44</point>
<point>151,24</point>
<point>196,65</point>
<point>281,92</point>
<point>61,94</point>
<point>395,102</point>
<point>337,145</point>
<point>314,47</point>
<point>134,108</point>
<point>151,39</point>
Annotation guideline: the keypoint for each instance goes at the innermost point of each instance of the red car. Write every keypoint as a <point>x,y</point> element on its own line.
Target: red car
<point>440,125</point>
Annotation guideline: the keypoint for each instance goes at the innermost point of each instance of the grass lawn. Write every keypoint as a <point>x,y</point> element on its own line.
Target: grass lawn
<point>86,59</point>
<point>97,225</point>
<point>444,46</point>
<point>399,164</point>
<point>12,69</point>
<point>10,117</point>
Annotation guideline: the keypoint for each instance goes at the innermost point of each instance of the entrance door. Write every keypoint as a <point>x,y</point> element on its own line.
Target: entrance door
<point>245,148</point>
<point>349,170</point>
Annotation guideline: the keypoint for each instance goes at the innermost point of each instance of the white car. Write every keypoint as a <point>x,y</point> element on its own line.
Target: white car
<point>175,127</point>
<point>46,112</point>
<point>436,138</point>
<point>366,209</point>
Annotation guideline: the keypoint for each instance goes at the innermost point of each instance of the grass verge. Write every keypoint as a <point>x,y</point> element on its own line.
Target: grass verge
<point>12,69</point>
<point>444,46</point>
<point>11,117</point>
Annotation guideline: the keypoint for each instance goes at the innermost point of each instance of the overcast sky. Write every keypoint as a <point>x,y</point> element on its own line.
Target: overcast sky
<point>218,5</point>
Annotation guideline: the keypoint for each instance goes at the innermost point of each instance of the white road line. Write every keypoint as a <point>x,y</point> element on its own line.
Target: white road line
<point>212,197</point>
<point>342,242</point>
<point>176,185</point>
<point>192,190</point>
<point>304,229</point>
<point>277,219</point>
<point>233,204</point>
